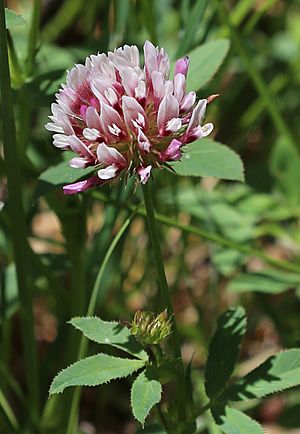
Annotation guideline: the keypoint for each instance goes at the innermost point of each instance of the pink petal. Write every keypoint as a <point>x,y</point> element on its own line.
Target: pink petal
<point>150,55</point>
<point>187,102</point>
<point>108,117</point>
<point>168,109</point>
<point>197,115</point>
<point>144,173</point>
<point>108,155</point>
<point>143,142</point>
<point>79,147</point>
<point>80,186</point>
<point>173,152</point>
<point>134,114</point>
<point>179,86</point>
<point>92,118</point>
<point>182,66</point>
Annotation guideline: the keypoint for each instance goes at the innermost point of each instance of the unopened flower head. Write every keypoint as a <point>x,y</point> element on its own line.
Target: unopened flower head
<point>151,329</point>
<point>123,118</point>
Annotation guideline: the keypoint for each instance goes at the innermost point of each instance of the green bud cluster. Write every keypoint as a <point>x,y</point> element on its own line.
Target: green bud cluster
<point>150,329</point>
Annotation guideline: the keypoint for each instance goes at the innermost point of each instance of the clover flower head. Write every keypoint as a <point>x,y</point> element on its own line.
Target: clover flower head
<point>123,118</point>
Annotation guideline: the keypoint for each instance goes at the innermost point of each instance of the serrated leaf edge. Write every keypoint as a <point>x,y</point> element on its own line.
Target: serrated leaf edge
<point>131,404</point>
<point>94,385</point>
<point>145,359</point>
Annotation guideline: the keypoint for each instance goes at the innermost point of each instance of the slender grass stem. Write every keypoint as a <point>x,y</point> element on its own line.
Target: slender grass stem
<point>17,219</point>
<point>73,417</point>
<point>256,77</point>
<point>25,110</point>
<point>33,36</point>
<point>248,251</point>
<point>8,411</point>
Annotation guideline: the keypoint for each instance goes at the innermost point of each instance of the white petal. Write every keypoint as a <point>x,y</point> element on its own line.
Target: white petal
<point>61,141</point>
<point>78,162</point>
<point>207,129</point>
<point>90,133</point>
<point>108,173</point>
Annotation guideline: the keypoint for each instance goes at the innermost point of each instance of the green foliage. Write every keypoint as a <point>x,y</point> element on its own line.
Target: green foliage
<point>265,281</point>
<point>205,61</point>
<point>109,333</point>
<point>277,373</point>
<point>206,157</point>
<point>224,350</point>
<point>232,421</point>
<point>12,19</point>
<point>195,17</point>
<point>145,393</point>
<point>59,175</point>
<point>93,371</point>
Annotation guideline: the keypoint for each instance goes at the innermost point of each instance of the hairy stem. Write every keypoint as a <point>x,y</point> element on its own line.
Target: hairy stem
<point>163,287</point>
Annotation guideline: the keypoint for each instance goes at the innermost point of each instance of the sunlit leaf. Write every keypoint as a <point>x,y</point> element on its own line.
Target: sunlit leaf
<point>93,371</point>
<point>145,393</point>
<point>205,61</point>
<point>12,19</point>
<point>206,157</point>
<point>109,333</point>
<point>232,421</point>
<point>277,373</point>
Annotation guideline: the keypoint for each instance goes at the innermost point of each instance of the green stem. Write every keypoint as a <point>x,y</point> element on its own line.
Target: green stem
<point>17,219</point>
<point>165,293</point>
<point>162,280</point>
<point>73,417</point>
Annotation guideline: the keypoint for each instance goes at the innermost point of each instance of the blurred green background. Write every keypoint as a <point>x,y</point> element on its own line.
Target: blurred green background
<point>257,115</point>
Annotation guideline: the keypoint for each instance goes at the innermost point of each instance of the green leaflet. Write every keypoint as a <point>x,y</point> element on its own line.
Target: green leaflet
<point>268,281</point>
<point>93,371</point>
<point>205,60</point>
<point>232,421</point>
<point>277,373</point>
<point>59,175</point>
<point>145,393</point>
<point>224,350</point>
<point>12,19</point>
<point>110,333</point>
<point>205,157</point>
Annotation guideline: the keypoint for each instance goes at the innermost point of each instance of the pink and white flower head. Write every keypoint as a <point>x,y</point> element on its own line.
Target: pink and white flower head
<point>123,118</point>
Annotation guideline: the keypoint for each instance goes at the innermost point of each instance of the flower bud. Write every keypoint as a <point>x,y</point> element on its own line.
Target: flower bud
<point>150,329</point>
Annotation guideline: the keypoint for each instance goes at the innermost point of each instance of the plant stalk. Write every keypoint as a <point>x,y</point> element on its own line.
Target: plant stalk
<point>73,416</point>
<point>164,289</point>
<point>18,225</point>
